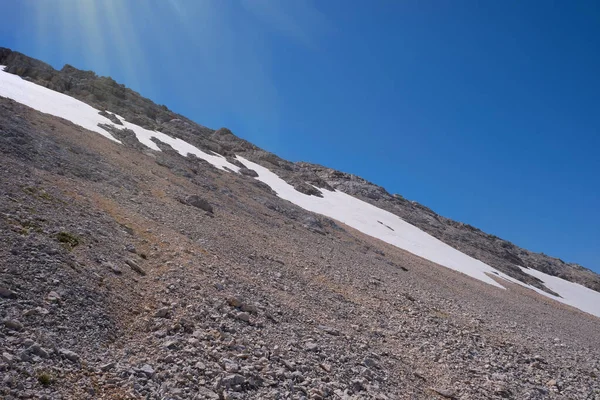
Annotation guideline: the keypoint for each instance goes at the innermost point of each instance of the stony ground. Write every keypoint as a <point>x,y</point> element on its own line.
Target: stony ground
<point>117,283</point>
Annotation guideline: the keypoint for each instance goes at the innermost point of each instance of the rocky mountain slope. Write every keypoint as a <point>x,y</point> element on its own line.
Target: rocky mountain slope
<point>105,94</point>
<point>132,273</point>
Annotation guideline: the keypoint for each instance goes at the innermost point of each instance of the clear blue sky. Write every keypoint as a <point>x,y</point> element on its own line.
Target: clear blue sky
<point>487,112</point>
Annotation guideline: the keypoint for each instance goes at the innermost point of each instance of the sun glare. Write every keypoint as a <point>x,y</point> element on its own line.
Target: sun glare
<point>100,31</point>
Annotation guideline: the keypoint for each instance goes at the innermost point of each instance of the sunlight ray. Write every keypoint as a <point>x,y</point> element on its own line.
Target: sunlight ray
<point>125,40</point>
<point>89,15</point>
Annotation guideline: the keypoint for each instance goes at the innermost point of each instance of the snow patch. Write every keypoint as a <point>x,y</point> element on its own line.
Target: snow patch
<point>377,223</point>
<point>573,294</point>
<point>51,102</point>
<point>392,229</point>
<point>60,105</point>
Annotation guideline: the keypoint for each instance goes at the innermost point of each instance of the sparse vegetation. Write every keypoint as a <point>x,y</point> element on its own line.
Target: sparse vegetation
<point>24,226</point>
<point>45,378</point>
<point>69,240</point>
<point>41,194</point>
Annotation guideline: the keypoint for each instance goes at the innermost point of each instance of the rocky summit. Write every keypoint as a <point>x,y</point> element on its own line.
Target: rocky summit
<point>144,256</point>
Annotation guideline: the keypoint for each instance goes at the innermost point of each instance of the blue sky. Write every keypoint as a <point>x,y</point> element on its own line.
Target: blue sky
<point>487,112</point>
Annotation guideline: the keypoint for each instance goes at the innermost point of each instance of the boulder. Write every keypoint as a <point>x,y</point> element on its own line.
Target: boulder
<point>198,202</point>
<point>248,172</point>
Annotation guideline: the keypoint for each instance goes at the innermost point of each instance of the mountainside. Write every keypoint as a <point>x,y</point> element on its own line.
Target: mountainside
<point>106,94</point>
<point>147,256</point>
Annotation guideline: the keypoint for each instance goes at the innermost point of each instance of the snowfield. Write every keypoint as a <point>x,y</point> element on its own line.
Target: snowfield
<point>573,294</point>
<point>63,106</point>
<point>377,223</point>
<point>51,102</point>
<point>349,210</point>
<point>372,221</point>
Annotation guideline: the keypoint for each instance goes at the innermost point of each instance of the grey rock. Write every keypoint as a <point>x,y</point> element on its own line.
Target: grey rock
<point>243,316</point>
<point>26,356</point>
<point>7,293</point>
<point>198,202</point>
<point>232,367</point>
<point>498,377</point>
<point>39,351</point>
<point>298,376</point>
<point>326,367</point>
<point>307,189</point>
<point>447,393</point>
<point>358,385</point>
<point>30,312</point>
<point>200,366</point>
<point>233,380</point>
<point>206,393</point>
<point>113,118</point>
<point>135,267</point>
<point>69,355</point>
<point>329,330</point>
<point>108,366</point>
<point>53,297</point>
<point>312,223</point>
<point>171,344</point>
<point>148,370</point>
<point>7,358</point>
<point>311,346</point>
<point>249,308</point>
<point>13,324</point>
<point>163,312</point>
<point>113,268</point>
<point>370,363</point>
<point>248,172</point>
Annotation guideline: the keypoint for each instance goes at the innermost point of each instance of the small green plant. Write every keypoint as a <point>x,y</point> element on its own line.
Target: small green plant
<point>45,379</point>
<point>69,240</point>
<point>41,194</point>
<point>45,195</point>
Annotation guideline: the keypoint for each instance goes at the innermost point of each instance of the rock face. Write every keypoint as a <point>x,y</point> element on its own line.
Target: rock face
<point>248,172</point>
<point>112,117</point>
<point>260,300</point>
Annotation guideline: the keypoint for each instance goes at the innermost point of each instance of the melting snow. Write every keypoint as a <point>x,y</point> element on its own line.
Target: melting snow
<point>60,105</point>
<point>392,229</point>
<point>353,212</point>
<point>573,294</point>
<point>51,102</point>
<point>366,218</point>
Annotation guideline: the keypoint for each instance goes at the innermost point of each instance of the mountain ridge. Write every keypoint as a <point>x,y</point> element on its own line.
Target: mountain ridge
<point>105,93</point>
